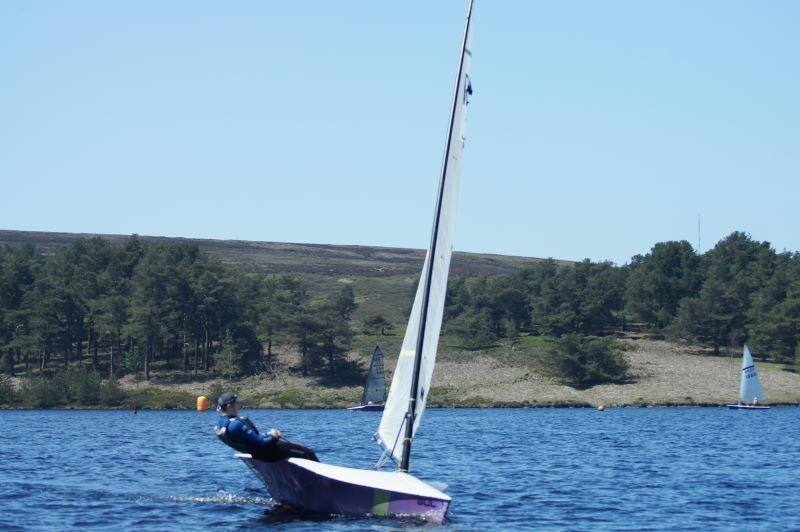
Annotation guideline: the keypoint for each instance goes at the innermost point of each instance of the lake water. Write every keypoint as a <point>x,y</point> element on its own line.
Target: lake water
<point>577,469</point>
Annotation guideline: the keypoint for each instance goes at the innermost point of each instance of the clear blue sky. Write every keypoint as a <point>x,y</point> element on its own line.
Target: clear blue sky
<point>596,128</point>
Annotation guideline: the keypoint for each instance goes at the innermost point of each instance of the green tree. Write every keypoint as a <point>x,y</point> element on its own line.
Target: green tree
<point>377,324</point>
<point>774,316</point>
<point>474,328</point>
<point>660,280</point>
<point>229,361</point>
<point>280,298</point>
<point>345,303</point>
<point>132,360</point>
<point>735,270</point>
<point>335,337</point>
<point>583,361</point>
<point>306,327</point>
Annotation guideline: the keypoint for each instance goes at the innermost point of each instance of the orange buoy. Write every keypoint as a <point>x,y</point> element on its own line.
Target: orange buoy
<point>601,407</point>
<point>202,403</point>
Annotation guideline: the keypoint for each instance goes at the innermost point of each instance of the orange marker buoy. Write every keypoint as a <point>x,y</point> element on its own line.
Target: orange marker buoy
<point>601,407</point>
<point>202,403</point>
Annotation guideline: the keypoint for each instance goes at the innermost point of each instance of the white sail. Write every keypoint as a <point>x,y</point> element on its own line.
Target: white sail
<point>749,387</point>
<point>391,431</point>
<point>375,387</point>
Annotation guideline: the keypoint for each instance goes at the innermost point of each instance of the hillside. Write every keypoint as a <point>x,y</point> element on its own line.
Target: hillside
<point>383,278</point>
<point>662,374</point>
<point>301,259</point>
<point>507,374</point>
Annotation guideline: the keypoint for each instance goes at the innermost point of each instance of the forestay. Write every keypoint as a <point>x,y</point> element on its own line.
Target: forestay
<point>375,388</point>
<point>432,288</point>
<point>749,387</point>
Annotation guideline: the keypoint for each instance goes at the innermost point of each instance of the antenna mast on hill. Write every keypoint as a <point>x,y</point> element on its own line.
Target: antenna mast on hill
<point>698,233</point>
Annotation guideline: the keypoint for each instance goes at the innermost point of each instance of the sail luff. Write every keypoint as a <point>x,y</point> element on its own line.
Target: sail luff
<point>414,370</point>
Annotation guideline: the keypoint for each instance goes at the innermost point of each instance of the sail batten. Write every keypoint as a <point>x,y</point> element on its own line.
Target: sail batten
<point>414,370</point>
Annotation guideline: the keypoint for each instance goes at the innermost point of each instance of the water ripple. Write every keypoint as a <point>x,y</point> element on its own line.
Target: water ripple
<point>623,469</point>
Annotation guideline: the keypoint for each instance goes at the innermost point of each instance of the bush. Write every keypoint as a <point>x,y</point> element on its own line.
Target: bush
<point>158,398</point>
<point>7,363</point>
<point>85,387</point>
<point>41,392</point>
<point>293,397</point>
<point>8,394</point>
<point>214,391</point>
<point>68,388</point>
<point>132,360</point>
<point>583,361</point>
<point>110,393</point>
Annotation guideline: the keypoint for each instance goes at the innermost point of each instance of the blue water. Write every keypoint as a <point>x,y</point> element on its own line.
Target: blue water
<point>658,468</point>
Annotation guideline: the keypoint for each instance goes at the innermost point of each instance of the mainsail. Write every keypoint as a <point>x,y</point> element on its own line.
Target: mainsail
<point>749,387</point>
<point>414,370</point>
<point>375,388</point>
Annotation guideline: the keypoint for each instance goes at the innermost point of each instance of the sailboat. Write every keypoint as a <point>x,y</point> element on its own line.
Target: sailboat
<point>375,388</point>
<point>318,488</point>
<point>750,393</point>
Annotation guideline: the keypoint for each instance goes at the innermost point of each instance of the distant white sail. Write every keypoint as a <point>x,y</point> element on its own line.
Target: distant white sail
<point>375,388</point>
<point>749,387</point>
<point>391,431</point>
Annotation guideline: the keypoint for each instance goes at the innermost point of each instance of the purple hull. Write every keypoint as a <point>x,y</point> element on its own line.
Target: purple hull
<point>324,489</point>
<point>367,408</point>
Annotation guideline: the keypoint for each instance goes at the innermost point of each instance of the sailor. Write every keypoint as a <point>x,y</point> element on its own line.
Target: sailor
<point>755,401</point>
<point>240,433</point>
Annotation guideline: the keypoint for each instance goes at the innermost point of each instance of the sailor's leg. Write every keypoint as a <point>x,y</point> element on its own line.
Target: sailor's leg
<point>298,451</point>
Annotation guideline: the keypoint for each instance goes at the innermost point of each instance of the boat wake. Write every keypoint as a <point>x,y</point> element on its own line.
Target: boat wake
<point>222,497</point>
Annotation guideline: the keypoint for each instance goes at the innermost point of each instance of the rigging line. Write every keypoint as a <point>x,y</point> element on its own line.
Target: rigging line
<point>384,454</point>
<point>382,460</point>
<point>397,438</point>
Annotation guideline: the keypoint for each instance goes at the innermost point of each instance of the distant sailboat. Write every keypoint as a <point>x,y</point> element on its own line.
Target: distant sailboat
<point>320,488</point>
<point>375,388</point>
<point>750,393</point>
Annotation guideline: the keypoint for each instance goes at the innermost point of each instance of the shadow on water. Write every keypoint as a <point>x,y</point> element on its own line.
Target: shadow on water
<point>278,514</point>
<point>281,515</point>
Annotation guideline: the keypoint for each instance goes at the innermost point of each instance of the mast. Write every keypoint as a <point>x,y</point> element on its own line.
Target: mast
<point>412,400</point>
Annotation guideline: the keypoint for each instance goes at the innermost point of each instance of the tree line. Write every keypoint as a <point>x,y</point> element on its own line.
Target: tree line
<point>741,290</point>
<point>129,308</point>
<point>169,304</point>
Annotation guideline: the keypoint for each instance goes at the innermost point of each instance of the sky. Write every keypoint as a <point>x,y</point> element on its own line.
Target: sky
<point>595,130</point>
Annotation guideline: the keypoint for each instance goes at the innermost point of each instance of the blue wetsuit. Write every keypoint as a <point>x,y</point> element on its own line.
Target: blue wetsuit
<point>242,434</point>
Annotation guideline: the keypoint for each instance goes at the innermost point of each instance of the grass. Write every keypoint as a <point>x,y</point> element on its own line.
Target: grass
<point>152,397</point>
<point>521,351</point>
<point>306,398</point>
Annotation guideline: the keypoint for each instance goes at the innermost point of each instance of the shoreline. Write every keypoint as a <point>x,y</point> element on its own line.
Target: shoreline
<point>662,375</point>
<point>495,407</point>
